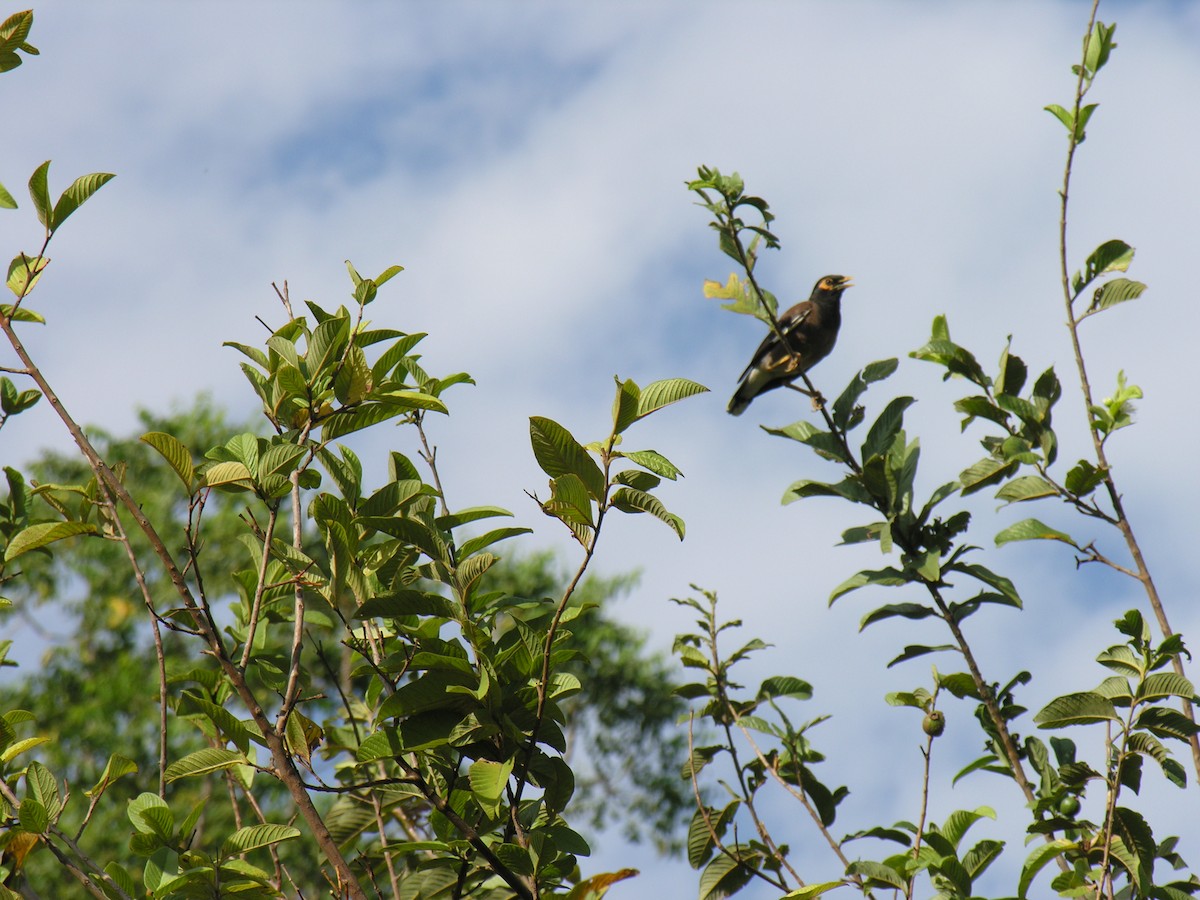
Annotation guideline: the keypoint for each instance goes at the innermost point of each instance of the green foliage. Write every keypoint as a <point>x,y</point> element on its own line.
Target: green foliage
<point>13,32</point>
<point>584,483</point>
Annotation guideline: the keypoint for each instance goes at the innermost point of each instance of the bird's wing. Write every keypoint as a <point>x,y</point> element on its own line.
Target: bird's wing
<point>772,353</point>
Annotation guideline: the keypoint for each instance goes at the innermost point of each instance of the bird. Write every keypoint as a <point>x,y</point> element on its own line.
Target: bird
<point>810,329</point>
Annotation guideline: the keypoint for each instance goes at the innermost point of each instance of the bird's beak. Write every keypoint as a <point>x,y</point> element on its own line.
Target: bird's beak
<point>847,282</point>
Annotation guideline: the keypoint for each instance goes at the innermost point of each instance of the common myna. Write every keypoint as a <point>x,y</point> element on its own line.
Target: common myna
<point>810,330</point>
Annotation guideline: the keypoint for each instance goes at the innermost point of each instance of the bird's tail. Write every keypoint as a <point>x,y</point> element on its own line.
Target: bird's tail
<point>739,401</point>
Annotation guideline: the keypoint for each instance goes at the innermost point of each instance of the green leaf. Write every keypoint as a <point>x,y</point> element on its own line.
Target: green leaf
<point>824,443</point>
<point>558,453</point>
<point>354,379</point>
<point>944,352</point>
<point>76,195</point>
<point>850,487</point>
<point>388,274</point>
<point>229,475</point>
<point>631,500</point>
<point>912,651</point>
<point>252,837</point>
<point>955,828</point>
<point>1098,45</point>
<point>735,290</point>
<point>1118,290</point>
<point>1161,685</point>
<point>625,404</point>
<point>888,577</point>
<point>1063,115</point>
<point>878,873</point>
<point>178,457</point>
<point>357,418</point>
<point>844,408</point>
<point>636,478</point>
<point>39,190</point>
<point>1082,708</point>
<point>227,724</point>
<point>33,816</point>
<point>1121,658</point>
<point>1135,834</point>
<point>1037,860</point>
<point>1167,723</point>
<point>987,471</point>
<point>409,400</point>
<point>401,603</point>
<point>37,536</point>
<point>142,813</point>
<point>13,402</point>
<point>885,428</point>
<point>470,514</point>
<point>475,544</point>
<point>813,890</point>
<point>658,394</point>
<point>784,686</point>
<point>570,501</point>
<point>723,877</point>
<point>1032,530</point>
<point>949,869</point>
<point>990,578</point>
<point>23,275</point>
<point>907,610</point>
<point>1026,487</point>
<point>1084,478</point>
<point>6,199</point>
<point>1111,256</point>
<point>202,762</point>
<point>488,780</point>
<point>655,462</point>
<point>14,30</point>
<point>980,407</point>
<point>117,767</point>
<point>43,787</point>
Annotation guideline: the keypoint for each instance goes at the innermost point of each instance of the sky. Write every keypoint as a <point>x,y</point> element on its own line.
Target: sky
<point>526,163</point>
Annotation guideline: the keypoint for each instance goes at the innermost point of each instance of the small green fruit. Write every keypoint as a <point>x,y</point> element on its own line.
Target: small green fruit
<point>1069,805</point>
<point>934,723</point>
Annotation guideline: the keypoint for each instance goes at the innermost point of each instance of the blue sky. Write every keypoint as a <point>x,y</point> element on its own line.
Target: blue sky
<point>525,162</point>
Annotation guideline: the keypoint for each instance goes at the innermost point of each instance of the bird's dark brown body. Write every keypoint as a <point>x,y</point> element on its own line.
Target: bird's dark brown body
<point>810,329</point>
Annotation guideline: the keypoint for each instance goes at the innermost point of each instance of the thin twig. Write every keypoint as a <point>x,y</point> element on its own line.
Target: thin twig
<point>702,808</point>
<point>291,694</point>
<point>261,586</point>
<point>926,753</point>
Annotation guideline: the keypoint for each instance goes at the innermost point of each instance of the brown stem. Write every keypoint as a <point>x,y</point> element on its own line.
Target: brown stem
<point>468,831</point>
<point>522,773</point>
<point>985,692</point>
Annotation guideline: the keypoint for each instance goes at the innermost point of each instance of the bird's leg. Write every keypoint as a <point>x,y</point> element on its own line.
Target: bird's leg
<point>818,401</point>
